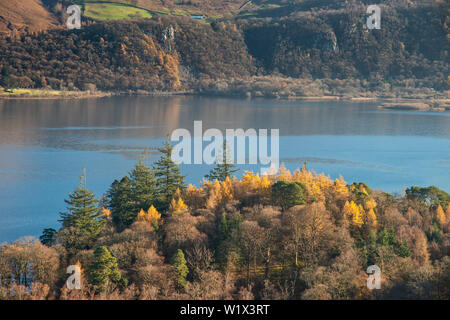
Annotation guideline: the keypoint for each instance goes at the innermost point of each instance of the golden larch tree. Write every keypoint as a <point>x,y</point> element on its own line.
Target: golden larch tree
<point>440,216</point>
<point>352,211</point>
<point>178,207</point>
<point>194,197</point>
<point>152,216</point>
<point>340,189</point>
<point>284,174</point>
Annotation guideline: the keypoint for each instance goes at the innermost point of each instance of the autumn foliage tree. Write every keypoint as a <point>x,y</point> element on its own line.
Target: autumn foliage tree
<point>151,216</point>
<point>281,235</point>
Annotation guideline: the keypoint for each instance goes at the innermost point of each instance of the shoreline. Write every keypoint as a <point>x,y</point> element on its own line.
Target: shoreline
<point>421,105</point>
<point>386,103</point>
<point>38,94</point>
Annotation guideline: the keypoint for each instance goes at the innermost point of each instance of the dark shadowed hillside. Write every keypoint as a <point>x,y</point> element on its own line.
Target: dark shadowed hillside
<point>412,43</point>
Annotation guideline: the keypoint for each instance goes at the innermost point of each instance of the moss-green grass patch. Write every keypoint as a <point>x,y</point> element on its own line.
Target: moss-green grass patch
<point>114,11</point>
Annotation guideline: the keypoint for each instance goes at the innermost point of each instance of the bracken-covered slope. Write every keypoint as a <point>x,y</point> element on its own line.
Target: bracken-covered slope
<point>20,14</point>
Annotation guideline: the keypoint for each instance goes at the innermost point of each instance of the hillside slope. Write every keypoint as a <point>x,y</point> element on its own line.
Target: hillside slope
<point>164,54</point>
<point>19,15</point>
<point>179,53</point>
<point>413,42</point>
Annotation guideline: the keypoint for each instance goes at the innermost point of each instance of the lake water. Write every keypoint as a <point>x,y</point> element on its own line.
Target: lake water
<point>44,144</point>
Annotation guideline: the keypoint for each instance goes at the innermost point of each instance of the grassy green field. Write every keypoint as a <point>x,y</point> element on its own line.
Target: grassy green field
<point>114,11</point>
<point>44,93</point>
<point>29,92</point>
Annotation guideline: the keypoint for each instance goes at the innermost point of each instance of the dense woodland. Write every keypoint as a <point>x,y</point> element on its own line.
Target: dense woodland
<point>119,56</point>
<point>166,53</point>
<point>294,235</point>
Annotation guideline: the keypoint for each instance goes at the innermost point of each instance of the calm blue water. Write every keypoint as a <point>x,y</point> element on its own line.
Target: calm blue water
<point>45,144</point>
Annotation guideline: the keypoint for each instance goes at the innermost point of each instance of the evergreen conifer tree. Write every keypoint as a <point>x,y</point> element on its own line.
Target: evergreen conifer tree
<point>48,237</point>
<point>104,271</point>
<point>121,204</point>
<point>224,166</point>
<point>179,263</point>
<point>83,213</point>
<point>143,186</point>
<point>168,177</point>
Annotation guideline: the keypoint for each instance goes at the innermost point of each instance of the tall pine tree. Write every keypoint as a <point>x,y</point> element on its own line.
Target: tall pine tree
<point>121,204</point>
<point>168,177</point>
<point>224,166</point>
<point>131,195</point>
<point>83,213</point>
<point>143,186</point>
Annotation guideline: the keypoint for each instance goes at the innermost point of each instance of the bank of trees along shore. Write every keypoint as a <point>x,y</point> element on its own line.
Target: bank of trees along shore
<point>302,52</point>
<point>297,235</point>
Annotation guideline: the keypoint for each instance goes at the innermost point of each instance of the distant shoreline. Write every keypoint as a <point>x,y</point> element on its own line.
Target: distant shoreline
<point>39,94</point>
<point>386,103</point>
<point>436,105</point>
